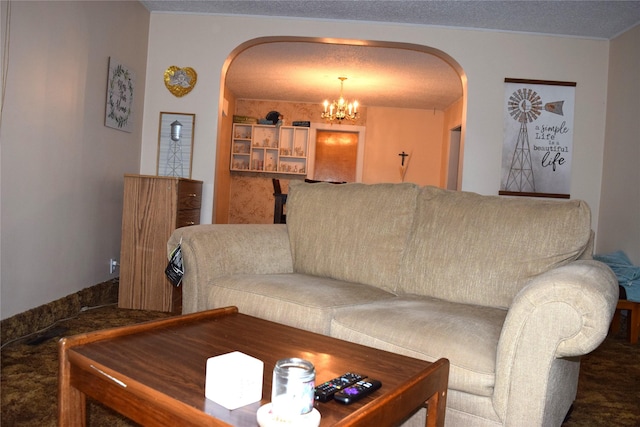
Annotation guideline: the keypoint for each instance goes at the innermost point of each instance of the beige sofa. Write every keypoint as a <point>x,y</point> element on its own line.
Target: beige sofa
<point>502,287</point>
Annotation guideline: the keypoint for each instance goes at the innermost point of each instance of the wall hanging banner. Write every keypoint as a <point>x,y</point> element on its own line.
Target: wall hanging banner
<point>538,138</point>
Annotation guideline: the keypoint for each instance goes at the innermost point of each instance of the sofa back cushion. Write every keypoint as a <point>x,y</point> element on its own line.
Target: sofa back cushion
<point>482,250</point>
<point>352,232</point>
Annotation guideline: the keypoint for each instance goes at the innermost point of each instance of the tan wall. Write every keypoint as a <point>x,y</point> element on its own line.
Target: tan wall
<point>62,169</point>
<point>619,224</point>
<point>222,190</point>
<point>486,57</point>
<point>453,118</point>
<point>390,131</point>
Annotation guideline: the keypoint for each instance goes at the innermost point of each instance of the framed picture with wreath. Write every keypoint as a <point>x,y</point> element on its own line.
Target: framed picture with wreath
<point>120,88</point>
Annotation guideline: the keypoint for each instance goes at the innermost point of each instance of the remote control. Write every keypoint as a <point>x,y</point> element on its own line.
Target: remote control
<point>357,391</point>
<point>325,391</point>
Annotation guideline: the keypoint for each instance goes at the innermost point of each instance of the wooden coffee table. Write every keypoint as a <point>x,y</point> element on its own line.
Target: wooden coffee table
<point>154,372</point>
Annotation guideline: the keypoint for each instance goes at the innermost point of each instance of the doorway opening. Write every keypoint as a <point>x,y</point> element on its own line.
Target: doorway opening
<point>336,155</point>
<point>453,167</point>
<point>340,141</point>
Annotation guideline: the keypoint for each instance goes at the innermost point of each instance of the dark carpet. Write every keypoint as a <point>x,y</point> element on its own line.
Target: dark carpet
<point>608,391</point>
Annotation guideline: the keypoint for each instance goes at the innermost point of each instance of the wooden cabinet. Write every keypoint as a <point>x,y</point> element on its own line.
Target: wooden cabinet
<point>154,206</point>
<point>271,149</point>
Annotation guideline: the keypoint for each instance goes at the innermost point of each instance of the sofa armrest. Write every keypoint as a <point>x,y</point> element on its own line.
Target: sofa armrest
<point>216,250</point>
<point>561,314</point>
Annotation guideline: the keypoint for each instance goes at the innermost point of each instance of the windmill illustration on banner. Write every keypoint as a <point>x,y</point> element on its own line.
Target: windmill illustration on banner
<point>525,106</point>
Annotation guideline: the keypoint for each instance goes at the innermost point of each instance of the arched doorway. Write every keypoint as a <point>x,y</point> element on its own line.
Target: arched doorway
<point>224,195</point>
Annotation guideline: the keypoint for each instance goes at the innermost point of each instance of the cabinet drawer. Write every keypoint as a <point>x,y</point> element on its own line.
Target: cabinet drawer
<point>187,217</point>
<point>189,195</point>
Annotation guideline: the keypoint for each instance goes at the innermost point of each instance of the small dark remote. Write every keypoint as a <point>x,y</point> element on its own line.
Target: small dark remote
<point>357,391</point>
<point>325,391</point>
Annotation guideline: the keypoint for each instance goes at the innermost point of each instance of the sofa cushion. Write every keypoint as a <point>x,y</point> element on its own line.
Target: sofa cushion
<point>429,329</point>
<point>297,300</point>
<point>482,250</point>
<point>352,232</point>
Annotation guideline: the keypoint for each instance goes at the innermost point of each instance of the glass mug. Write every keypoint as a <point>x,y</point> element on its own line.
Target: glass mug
<point>293,388</point>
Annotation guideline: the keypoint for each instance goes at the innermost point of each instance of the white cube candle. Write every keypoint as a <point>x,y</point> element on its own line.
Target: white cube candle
<point>234,380</point>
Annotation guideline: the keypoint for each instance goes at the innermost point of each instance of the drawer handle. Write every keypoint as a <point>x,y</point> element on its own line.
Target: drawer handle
<point>191,223</point>
<point>192,195</point>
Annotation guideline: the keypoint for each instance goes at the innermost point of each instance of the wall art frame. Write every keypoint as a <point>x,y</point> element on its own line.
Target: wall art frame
<point>121,83</point>
<point>538,138</point>
<point>175,144</point>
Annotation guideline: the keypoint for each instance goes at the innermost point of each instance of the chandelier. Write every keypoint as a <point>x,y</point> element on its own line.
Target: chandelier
<point>340,109</point>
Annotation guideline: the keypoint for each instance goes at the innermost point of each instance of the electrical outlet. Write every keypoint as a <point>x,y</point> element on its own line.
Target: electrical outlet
<point>113,264</point>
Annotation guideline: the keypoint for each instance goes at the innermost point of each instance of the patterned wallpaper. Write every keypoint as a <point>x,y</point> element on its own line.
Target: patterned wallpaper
<point>252,198</point>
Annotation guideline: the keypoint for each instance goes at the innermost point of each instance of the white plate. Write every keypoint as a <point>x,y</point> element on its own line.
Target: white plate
<point>267,419</point>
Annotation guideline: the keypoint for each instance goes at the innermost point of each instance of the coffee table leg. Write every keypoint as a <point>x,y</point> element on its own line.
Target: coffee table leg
<point>436,407</point>
<point>437,403</point>
<point>71,401</point>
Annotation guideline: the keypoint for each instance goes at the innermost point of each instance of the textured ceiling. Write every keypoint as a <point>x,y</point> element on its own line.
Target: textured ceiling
<point>384,76</point>
<point>376,76</point>
<point>602,19</point>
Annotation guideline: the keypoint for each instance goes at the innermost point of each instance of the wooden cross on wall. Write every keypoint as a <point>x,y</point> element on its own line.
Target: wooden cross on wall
<point>403,155</point>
